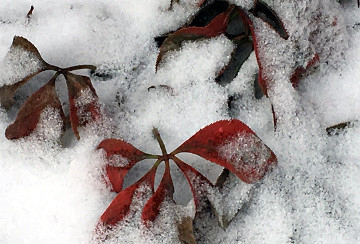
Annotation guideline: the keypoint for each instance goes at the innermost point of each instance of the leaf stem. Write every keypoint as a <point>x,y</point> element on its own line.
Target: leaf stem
<point>76,67</point>
<point>160,141</point>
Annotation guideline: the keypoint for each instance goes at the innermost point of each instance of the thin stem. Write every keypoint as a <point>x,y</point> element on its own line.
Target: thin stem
<point>85,66</point>
<point>151,156</point>
<point>156,164</point>
<point>160,141</point>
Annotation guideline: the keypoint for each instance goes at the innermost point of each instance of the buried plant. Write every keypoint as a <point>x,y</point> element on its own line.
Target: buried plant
<point>23,62</point>
<point>228,143</point>
<point>218,17</point>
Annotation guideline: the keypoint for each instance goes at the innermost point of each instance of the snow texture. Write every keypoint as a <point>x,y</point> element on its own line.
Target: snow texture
<point>56,194</point>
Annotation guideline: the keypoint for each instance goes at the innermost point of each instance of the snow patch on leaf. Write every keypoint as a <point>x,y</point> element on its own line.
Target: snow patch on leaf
<point>117,160</point>
<point>50,126</point>
<point>17,64</point>
<point>83,103</point>
<point>246,153</point>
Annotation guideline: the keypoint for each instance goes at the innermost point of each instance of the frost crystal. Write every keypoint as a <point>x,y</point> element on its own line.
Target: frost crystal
<point>246,152</point>
<point>17,64</point>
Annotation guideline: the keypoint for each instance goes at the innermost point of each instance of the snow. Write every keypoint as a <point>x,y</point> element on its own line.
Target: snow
<point>56,194</point>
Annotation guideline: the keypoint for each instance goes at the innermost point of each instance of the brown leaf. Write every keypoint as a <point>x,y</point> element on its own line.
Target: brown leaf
<point>186,231</point>
<point>84,102</point>
<point>22,62</point>
<point>29,114</point>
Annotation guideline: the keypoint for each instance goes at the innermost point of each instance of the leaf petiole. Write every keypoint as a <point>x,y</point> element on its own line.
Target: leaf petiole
<point>160,141</point>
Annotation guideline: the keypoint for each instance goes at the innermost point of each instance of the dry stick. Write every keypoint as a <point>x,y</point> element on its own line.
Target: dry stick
<point>30,12</point>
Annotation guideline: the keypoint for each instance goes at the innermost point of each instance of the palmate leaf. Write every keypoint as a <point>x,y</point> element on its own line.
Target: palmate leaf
<point>29,114</point>
<point>121,156</point>
<point>233,145</point>
<point>24,62</point>
<point>84,102</point>
<point>228,143</point>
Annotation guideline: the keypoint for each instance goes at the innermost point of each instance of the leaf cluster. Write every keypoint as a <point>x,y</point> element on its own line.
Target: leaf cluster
<point>228,143</point>
<point>26,59</point>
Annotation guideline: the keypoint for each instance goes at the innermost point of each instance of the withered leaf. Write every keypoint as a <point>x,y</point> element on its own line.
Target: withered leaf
<point>29,114</point>
<point>22,62</point>
<point>186,231</point>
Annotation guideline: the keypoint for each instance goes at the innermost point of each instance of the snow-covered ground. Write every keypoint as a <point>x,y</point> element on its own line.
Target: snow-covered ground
<point>56,194</point>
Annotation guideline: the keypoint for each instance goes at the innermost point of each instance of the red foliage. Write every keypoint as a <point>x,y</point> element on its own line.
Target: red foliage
<point>207,143</point>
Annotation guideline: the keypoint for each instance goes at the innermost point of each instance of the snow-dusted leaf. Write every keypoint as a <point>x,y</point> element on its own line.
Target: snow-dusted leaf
<point>84,102</point>
<point>241,53</point>
<point>216,27</point>
<point>233,145</point>
<point>199,184</point>
<point>164,192</point>
<point>264,12</point>
<point>21,63</point>
<point>120,206</point>
<point>121,156</point>
<point>28,116</point>
<point>262,78</point>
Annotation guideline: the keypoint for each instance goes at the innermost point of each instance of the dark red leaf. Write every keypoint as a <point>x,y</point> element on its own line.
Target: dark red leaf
<point>84,102</point>
<point>120,206</point>
<point>164,192</point>
<point>204,16</point>
<point>122,156</point>
<point>299,71</point>
<point>264,12</point>
<point>199,184</point>
<point>215,28</point>
<point>24,62</point>
<point>233,145</point>
<point>29,114</point>
<point>241,53</point>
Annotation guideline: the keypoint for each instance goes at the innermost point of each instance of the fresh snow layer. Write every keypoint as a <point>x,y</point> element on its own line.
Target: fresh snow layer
<point>56,194</point>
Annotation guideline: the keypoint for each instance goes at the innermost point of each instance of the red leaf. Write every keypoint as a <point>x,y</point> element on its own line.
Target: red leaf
<point>120,206</point>
<point>295,77</point>
<point>233,145</point>
<point>199,184</point>
<point>215,28</point>
<point>84,102</point>
<point>29,114</point>
<point>122,157</point>
<point>164,192</point>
